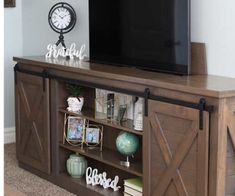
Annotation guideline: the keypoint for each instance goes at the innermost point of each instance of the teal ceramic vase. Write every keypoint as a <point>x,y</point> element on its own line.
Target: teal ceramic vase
<point>127,143</point>
<point>76,165</point>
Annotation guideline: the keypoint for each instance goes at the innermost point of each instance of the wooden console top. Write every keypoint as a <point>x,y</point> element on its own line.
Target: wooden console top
<point>206,85</point>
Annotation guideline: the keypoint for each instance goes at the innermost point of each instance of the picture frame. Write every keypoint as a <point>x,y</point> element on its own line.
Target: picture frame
<point>94,135</point>
<point>121,112</point>
<point>120,99</point>
<point>9,3</point>
<point>74,130</point>
<point>106,104</point>
<point>79,132</point>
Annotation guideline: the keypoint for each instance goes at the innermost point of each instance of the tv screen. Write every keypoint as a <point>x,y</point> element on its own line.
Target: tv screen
<point>150,34</point>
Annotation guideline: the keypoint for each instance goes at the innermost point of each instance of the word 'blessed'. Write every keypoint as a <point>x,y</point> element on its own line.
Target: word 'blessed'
<point>93,178</point>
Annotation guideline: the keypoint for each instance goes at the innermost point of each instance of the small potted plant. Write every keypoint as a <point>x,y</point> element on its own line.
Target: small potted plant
<point>75,100</point>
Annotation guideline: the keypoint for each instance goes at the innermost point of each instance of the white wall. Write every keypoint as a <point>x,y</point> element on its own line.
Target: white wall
<point>37,33</point>
<point>213,22</point>
<point>12,47</point>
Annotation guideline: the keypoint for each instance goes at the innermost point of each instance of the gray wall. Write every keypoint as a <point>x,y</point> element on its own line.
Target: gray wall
<point>12,46</point>
<point>28,33</point>
<point>37,33</point>
<point>212,23</point>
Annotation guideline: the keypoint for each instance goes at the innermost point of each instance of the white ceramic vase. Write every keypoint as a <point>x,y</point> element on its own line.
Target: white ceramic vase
<point>75,104</point>
<point>138,115</point>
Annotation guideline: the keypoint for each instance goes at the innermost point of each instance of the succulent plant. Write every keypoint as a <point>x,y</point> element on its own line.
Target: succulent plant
<point>74,89</point>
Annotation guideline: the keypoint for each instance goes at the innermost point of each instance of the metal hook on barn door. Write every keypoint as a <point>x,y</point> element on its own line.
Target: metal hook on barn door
<point>146,97</point>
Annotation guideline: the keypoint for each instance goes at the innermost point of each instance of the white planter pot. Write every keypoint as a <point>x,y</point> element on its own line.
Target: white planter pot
<point>75,104</point>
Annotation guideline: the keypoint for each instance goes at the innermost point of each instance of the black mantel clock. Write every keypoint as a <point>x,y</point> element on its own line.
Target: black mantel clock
<point>62,19</point>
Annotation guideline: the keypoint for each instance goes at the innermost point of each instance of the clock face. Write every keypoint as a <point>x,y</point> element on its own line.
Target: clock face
<point>61,18</point>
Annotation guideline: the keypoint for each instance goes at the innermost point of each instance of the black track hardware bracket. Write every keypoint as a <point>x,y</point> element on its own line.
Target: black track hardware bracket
<point>201,106</point>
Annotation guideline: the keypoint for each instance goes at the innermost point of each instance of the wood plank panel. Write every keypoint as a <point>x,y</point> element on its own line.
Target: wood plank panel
<point>32,122</point>
<point>203,85</point>
<point>199,62</point>
<point>218,148</point>
<point>230,166</point>
<point>230,188</point>
<point>175,150</point>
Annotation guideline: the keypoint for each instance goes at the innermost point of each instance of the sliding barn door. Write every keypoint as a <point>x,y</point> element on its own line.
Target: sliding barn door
<point>175,151</point>
<point>32,121</point>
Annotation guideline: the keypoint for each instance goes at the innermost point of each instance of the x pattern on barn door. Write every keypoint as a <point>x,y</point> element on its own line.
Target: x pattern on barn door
<point>179,165</point>
<point>33,104</point>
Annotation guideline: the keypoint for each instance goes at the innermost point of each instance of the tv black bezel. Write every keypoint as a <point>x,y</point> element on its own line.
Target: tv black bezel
<point>174,69</point>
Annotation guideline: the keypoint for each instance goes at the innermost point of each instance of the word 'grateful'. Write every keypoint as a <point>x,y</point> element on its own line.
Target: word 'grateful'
<point>72,52</point>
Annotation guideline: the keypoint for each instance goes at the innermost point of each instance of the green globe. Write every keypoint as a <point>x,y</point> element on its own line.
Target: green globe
<point>127,143</point>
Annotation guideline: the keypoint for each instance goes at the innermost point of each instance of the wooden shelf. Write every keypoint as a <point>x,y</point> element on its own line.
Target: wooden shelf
<point>109,157</point>
<point>101,119</point>
<point>81,182</point>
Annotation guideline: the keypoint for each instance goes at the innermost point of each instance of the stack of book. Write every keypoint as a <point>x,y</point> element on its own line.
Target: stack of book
<point>133,187</point>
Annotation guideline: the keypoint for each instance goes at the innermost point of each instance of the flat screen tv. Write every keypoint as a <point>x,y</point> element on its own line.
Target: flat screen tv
<point>146,34</point>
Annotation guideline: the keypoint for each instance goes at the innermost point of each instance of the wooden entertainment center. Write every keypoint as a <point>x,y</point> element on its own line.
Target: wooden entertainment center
<point>188,142</point>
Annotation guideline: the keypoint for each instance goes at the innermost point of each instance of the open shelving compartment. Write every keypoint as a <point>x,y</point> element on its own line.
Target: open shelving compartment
<point>107,160</point>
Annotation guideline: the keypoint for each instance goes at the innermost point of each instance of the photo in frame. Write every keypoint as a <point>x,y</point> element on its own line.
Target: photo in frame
<point>94,135</point>
<point>74,128</point>
<point>9,3</point>
<point>121,113</point>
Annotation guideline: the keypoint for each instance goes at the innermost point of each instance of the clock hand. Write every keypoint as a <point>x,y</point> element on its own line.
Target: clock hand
<point>65,16</point>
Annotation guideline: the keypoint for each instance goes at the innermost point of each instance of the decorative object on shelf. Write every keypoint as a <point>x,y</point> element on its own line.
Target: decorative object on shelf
<point>76,165</point>
<point>110,105</point>
<point>94,178</point>
<point>121,112</point>
<point>133,186</point>
<point>70,52</point>
<point>62,19</point>
<point>100,104</point>
<point>9,3</point>
<point>119,100</point>
<point>75,104</point>
<point>75,101</point>
<point>127,144</point>
<point>138,114</point>
<point>74,134</point>
<point>94,135</point>
<point>107,104</point>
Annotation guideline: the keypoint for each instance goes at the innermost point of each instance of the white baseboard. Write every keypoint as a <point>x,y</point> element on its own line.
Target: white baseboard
<point>9,135</point>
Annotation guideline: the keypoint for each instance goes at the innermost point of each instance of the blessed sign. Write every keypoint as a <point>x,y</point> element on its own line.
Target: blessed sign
<point>94,178</point>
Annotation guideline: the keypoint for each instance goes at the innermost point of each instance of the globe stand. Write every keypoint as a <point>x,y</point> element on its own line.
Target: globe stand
<point>126,163</point>
<point>127,144</point>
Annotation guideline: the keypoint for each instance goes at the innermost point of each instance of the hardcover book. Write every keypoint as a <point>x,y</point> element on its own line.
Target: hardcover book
<point>133,192</point>
<point>134,183</point>
<point>126,194</point>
